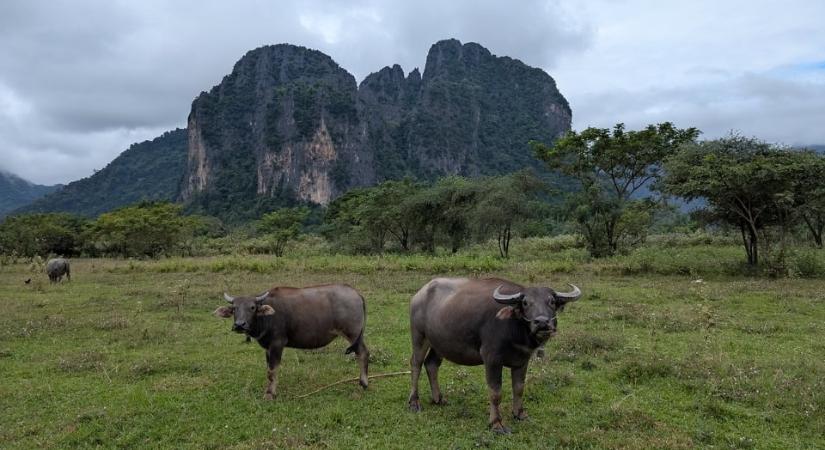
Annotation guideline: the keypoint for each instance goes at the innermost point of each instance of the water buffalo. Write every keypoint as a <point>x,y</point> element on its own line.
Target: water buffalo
<point>309,317</point>
<point>56,268</point>
<point>493,322</point>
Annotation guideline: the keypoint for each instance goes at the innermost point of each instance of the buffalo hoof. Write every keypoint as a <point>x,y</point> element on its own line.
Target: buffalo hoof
<point>499,428</point>
<point>441,401</point>
<point>364,383</point>
<point>415,406</point>
<point>270,396</point>
<point>521,415</point>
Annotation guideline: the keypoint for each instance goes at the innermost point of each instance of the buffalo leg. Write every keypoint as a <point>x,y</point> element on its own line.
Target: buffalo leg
<point>518,374</point>
<point>493,372</point>
<point>419,351</point>
<point>431,363</point>
<point>363,356</point>
<point>273,360</point>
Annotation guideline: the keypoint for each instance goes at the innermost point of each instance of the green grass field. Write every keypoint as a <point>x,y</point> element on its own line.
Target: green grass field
<point>128,355</point>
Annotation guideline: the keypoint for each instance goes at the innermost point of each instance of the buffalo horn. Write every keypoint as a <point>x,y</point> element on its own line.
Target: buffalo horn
<point>228,298</point>
<point>262,297</point>
<point>507,299</point>
<point>571,296</point>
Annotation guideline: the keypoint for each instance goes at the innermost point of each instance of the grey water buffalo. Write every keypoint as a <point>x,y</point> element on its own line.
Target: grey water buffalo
<point>493,322</point>
<point>56,268</point>
<point>306,318</point>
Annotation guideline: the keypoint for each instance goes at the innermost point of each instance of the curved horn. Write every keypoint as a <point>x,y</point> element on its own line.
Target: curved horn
<point>262,297</point>
<point>571,296</point>
<point>507,299</point>
<point>228,298</point>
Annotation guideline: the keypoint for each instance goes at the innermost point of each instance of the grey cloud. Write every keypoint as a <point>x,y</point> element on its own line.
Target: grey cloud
<point>777,110</point>
<point>82,80</point>
<point>97,75</point>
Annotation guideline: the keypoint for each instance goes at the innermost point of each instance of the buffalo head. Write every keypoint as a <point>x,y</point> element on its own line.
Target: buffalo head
<point>536,305</point>
<point>245,310</point>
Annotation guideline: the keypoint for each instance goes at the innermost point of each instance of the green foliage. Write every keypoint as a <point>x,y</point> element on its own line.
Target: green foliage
<point>809,195</point>
<point>752,185</point>
<point>146,229</point>
<point>42,234</point>
<point>364,219</point>
<point>505,202</point>
<point>453,211</point>
<point>282,226</point>
<point>610,167</point>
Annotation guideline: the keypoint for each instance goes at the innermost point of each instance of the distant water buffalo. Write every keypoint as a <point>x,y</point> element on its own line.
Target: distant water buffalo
<point>56,268</point>
<point>309,317</point>
<point>493,322</point>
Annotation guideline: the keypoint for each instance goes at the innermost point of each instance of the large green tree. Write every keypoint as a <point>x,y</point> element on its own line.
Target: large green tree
<point>611,168</point>
<point>504,202</point>
<point>145,229</point>
<point>810,194</point>
<point>43,234</point>
<point>282,226</point>
<point>366,219</point>
<point>747,183</point>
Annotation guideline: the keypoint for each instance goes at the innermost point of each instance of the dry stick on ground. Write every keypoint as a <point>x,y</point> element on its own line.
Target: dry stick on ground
<point>380,375</point>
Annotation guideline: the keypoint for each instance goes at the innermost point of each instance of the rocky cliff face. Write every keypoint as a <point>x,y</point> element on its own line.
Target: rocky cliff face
<point>289,123</point>
<point>283,124</point>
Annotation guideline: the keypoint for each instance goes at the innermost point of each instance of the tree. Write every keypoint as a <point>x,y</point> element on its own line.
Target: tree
<point>611,166</point>
<point>504,202</point>
<point>145,229</point>
<point>283,225</point>
<point>810,194</point>
<point>452,200</point>
<point>747,183</point>
<point>365,219</point>
<point>43,234</point>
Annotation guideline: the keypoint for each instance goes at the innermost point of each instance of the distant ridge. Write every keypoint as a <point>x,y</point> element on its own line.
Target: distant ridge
<point>150,170</point>
<point>16,192</point>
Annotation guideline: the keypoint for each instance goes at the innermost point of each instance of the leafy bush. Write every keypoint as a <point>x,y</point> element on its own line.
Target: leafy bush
<point>146,229</point>
<point>42,234</point>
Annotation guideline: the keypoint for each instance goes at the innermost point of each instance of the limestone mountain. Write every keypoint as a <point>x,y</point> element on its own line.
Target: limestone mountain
<point>288,125</point>
<point>16,192</point>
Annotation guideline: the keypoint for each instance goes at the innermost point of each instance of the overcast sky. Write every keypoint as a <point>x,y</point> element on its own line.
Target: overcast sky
<point>82,80</point>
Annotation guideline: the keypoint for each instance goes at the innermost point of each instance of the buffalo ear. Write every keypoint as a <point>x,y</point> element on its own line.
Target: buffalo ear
<point>265,310</point>
<point>224,312</point>
<point>508,312</point>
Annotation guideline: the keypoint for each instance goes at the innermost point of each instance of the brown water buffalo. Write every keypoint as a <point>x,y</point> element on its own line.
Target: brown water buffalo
<point>493,322</point>
<point>309,317</point>
<point>56,268</point>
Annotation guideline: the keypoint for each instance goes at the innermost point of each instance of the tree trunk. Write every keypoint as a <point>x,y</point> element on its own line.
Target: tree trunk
<point>504,242</point>
<point>815,227</point>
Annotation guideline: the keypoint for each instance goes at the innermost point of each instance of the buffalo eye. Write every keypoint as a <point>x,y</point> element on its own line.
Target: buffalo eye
<point>252,307</point>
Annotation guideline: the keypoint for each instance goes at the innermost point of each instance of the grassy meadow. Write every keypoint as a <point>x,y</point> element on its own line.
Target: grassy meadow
<point>128,355</point>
